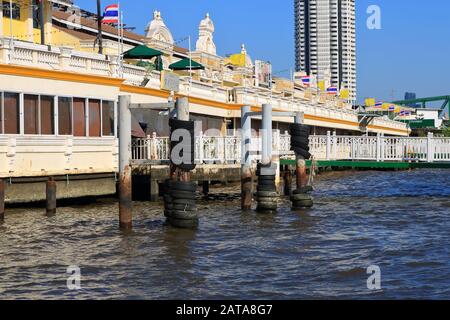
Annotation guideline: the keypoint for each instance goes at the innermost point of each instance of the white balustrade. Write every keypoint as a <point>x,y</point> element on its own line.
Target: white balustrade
<point>219,149</point>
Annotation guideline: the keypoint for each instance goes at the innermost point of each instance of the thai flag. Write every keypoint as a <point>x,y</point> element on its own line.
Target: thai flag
<point>391,108</point>
<point>332,90</point>
<point>378,104</point>
<point>306,80</point>
<point>111,14</point>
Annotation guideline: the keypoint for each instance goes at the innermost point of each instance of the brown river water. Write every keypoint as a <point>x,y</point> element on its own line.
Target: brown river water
<point>399,221</point>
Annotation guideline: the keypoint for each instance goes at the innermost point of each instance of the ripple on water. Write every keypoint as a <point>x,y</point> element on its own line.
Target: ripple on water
<point>397,220</point>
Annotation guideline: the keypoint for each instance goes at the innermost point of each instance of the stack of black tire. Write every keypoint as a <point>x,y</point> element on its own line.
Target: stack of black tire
<point>180,197</point>
<point>300,140</point>
<point>300,145</point>
<point>266,196</point>
<point>180,204</point>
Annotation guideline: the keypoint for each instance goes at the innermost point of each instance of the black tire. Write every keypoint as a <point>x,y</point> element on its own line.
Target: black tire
<point>300,197</point>
<point>183,207</point>
<point>267,201</point>
<point>184,186</point>
<point>266,183</point>
<point>299,140</point>
<point>266,188</point>
<point>300,146</point>
<point>305,154</point>
<point>299,129</point>
<point>267,194</point>
<point>184,215</point>
<point>271,178</point>
<point>180,124</point>
<point>184,195</point>
<point>183,224</point>
<point>184,202</point>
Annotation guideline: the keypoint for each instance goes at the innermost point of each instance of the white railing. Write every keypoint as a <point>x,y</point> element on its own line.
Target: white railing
<point>325,147</point>
<point>22,156</point>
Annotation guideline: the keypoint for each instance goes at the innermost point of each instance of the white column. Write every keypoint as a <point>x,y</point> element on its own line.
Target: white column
<point>430,147</point>
<point>328,153</point>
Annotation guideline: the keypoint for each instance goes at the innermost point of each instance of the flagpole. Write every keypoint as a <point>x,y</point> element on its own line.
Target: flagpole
<point>190,66</point>
<point>99,26</point>
<point>10,20</point>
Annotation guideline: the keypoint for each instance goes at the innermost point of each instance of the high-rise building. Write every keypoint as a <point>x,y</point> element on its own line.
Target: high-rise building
<point>325,41</point>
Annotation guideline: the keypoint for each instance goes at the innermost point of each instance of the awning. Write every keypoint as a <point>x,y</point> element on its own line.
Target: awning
<point>141,52</point>
<point>186,64</point>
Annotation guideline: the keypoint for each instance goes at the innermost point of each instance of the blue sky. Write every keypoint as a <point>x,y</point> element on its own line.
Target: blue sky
<point>409,53</point>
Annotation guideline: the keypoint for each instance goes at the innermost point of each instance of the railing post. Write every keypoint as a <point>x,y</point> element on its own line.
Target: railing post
<point>64,58</point>
<point>328,152</point>
<point>378,156</point>
<point>201,146</point>
<point>382,143</point>
<point>335,145</point>
<point>430,147</point>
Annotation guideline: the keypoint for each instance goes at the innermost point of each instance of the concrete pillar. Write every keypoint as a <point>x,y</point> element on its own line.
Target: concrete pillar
<point>266,134</point>
<point>51,196</point>
<point>125,199</point>
<point>246,160</point>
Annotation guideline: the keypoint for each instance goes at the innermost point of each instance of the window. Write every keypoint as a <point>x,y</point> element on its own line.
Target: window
<point>94,118</point>
<point>65,116</point>
<point>15,10</point>
<point>47,111</point>
<point>11,113</point>
<point>108,118</point>
<point>31,114</point>
<point>79,117</point>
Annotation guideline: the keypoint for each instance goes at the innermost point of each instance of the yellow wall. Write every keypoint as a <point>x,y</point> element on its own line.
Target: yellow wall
<point>23,29</point>
<point>63,39</point>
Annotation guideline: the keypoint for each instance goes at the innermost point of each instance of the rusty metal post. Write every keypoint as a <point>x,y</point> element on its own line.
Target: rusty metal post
<point>246,161</point>
<point>2,200</point>
<point>51,196</point>
<point>287,180</point>
<point>302,177</point>
<point>125,199</point>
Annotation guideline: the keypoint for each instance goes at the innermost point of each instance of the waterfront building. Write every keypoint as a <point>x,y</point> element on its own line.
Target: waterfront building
<point>58,102</point>
<point>325,41</point>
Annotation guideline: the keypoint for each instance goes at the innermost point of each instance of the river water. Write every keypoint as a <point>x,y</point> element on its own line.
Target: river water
<point>399,221</point>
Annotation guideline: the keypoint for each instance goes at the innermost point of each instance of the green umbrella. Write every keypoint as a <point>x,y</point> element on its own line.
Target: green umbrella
<point>141,52</point>
<point>186,64</point>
